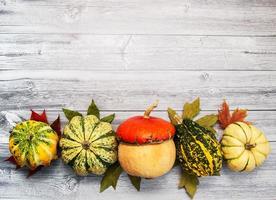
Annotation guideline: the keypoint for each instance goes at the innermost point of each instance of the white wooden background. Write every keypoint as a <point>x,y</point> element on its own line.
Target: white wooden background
<point>125,54</point>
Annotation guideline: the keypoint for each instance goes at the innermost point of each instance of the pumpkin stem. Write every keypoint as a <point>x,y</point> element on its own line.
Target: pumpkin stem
<point>250,146</point>
<point>150,108</point>
<point>85,145</point>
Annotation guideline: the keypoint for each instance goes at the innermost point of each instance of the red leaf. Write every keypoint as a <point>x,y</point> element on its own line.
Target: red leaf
<point>225,118</point>
<point>224,115</point>
<point>13,161</point>
<point>56,126</point>
<point>238,115</point>
<point>39,117</point>
<point>32,172</point>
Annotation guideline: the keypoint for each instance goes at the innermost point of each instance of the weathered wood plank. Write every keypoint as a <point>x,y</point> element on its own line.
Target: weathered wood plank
<point>115,90</point>
<point>59,181</point>
<point>136,52</point>
<point>140,17</point>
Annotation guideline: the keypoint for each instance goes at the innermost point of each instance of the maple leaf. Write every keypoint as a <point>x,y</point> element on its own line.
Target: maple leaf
<point>39,117</point>
<point>56,126</point>
<point>32,172</point>
<point>225,118</point>
<point>13,161</point>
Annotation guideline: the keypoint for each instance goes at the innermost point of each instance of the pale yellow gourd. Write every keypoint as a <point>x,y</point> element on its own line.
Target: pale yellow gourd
<point>244,146</point>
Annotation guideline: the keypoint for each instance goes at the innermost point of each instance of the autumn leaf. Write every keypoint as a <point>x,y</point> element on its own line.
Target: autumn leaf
<point>189,182</point>
<point>238,115</point>
<point>32,172</point>
<point>174,117</point>
<point>93,109</point>
<point>190,110</point>
<point>69,114</point>
<point>111,177</point>
<point>207,120</point>
<point>56,126</point>
<point>135,181</point>
<point>225,118</point>
<point>39,117</point>
<point>13,161</point>
<point>109,118</point>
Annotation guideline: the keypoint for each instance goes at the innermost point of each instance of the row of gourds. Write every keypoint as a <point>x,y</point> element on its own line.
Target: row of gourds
<point>143,146</point>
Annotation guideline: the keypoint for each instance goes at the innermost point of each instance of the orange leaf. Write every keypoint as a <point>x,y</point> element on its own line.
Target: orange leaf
<point>226,118</point>
<point>224,115</point>
<point>238,115</point>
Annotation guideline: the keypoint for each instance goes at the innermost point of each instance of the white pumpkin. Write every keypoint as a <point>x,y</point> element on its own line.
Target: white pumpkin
<point>244,146</point>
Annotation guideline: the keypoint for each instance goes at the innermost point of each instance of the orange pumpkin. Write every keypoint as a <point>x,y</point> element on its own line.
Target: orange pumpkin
<point>146,146</point>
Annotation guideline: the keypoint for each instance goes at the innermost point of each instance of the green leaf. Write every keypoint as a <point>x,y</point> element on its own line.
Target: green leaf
<point>69,114</point>
<point>108,118</point>
<point>190,110</point>
<point>111,176</point>
<point>208,120</point>
<point>93,110</point>
<point>189,182</point>
<point>136,181</point>
<point>176,163</point>
<point>211,129</point>
<point>216,174</point>
<point>174,117</point>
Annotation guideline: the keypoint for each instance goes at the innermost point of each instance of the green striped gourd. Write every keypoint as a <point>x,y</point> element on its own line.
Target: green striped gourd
<point>88,145</point>
<point>198,150</point>
<point>33,143</point>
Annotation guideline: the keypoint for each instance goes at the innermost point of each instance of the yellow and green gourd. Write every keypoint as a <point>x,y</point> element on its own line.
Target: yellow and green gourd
<point>198,150</point>
<point>88,144</point>
<point>33,143</point>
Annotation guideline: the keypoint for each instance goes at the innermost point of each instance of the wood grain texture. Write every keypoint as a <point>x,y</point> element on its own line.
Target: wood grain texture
<point>128,90</point>
<point>140,17</point>
<point>136,52</point>
<point>126,54</point>
<point>59,181</point>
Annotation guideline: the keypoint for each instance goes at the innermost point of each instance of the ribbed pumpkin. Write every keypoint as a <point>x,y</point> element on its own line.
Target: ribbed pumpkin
<point>33,143</point>
<point>146,146</point>
<point>88,144</point>
<point>244,146</point>
<point>198,150</point>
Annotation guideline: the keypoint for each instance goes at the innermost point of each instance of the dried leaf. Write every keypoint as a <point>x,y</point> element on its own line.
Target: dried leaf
<point>93,109</point>
<point>135,181</point>
<point>32,172</point>
<point>69,114</point>
<point>176,163</point>
<point>13,161</point>
<point>238,115</point>
<point>111,177</point>
<point>189,182</point>
<point>39,117</point>
<point>56,126</point>
<point>208,120</point>
<point>225,118</point>
<point>108,118</point>
<point>224,115</point>
<point>174,117</point>
<point>211,129</point>
<point>190,110</point>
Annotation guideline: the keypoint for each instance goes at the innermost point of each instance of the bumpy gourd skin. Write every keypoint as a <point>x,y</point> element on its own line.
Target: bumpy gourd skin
<point>88,145</point>
<point>244,146</point>
<point>33,144</point>
<point>198,150</point>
